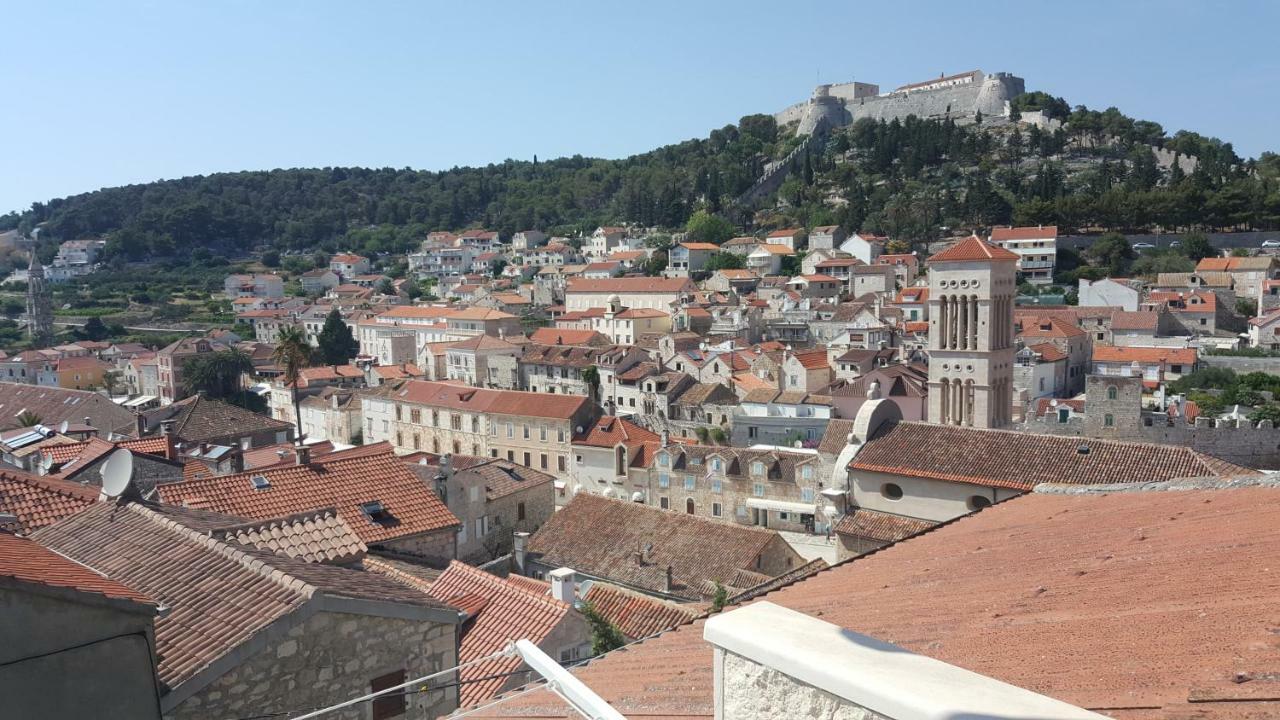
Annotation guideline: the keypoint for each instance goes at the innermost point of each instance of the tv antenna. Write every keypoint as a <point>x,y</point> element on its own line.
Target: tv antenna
<point>117,473</point>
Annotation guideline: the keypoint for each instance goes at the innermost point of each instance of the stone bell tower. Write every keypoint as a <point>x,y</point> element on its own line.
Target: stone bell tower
<point>39,305</point>
<point>972,285</point>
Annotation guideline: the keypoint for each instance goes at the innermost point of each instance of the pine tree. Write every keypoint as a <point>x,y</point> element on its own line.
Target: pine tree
<point>336,343</point>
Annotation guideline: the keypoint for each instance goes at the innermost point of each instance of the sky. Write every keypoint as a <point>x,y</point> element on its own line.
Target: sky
<point>101,94</point>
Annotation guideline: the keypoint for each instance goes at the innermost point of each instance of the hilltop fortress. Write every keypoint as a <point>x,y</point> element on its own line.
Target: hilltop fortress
<point>956,96</point>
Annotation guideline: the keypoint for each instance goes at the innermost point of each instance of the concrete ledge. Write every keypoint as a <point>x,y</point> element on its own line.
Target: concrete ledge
<point>871,674</point>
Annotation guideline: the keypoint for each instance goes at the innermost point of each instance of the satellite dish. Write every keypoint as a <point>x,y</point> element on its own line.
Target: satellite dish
<point>117,473</point>
<point>63,427</point>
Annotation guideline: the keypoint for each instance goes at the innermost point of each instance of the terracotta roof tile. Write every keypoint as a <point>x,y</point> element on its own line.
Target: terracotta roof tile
<point>1157,620</point>
<point>637,615</point>
<point>315,536</point>
<point>40,501</point>
<point>1017,460</point>
<point>219,595</point>
<point>1124,354</point>
<point>28,561</point>
<point>632,285</point>
<point>600,537</point>
<point>881,526</point>
<point>973,248</point>
<point>503,402</point>
<point>1024,233</point>
<point>342,480</point>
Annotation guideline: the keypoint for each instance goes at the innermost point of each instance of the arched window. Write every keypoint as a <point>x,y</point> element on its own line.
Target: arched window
<point>688,506</point>
<point>620,460</point>
<point>1111,392</point>
<point>977,502</point>
<point>1109,420</point>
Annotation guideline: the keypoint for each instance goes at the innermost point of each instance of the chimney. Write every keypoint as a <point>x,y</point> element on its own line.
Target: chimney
<point>237,462</point>
<point>166,428</point>
<point>564,585</point>
<point>303,454</point>
<point>519,550</point>
<point>667,582</point>
<point>446,466</point>
<point>139,425</point>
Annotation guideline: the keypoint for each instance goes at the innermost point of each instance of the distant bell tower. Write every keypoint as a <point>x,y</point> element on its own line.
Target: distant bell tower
<point>971,292</point>
<point>39,305</point>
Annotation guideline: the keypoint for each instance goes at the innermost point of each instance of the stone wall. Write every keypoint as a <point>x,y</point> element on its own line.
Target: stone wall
<point>436,548</point>
<point>327,659</point>
<point>1243,364</point>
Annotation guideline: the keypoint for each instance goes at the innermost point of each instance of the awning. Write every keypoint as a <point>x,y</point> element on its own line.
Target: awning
<point>780,506</point>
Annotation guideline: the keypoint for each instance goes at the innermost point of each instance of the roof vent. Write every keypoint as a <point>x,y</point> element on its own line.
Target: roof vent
<point>260,482</point>
<point>1083,449</point>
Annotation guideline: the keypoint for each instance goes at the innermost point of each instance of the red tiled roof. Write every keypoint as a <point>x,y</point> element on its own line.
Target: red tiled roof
<point>1020,461</point>
<point>1048,352</point>
<point>700,246</point>
<point>1156,599</point>
<point>897,258</point>
<point>599,537</point>
<point>1145,355</point>
<point>785,232</point>
<point>39,501</point>
<point>881,526</point>
<point>25,560</point>
<point>561,336</point>
<point>609,431</point>
<point>1048,327</point>
<point>341,480</point>
<point>634,614</point>
<point>314,536</point>
<point>503,402</point>
<point>973,248</point>
<point>625,285</point>
<point>917,326</point>
<point>1137,320</point>
<point>1024,233</point>
<point>1045,405</point>
<point>502,611</point>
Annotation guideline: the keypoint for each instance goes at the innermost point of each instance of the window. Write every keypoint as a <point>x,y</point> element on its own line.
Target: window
<point>1108,420</point>
<point>663,460</point>
<point>493,428</point>
<point>806,495</point>
<point>435,418</point>
<point>1063,415</point>
<point>482,526</point>
<point>399,413</point>
<point>542,433</point>
<point>717,510</point>
<point>525,429</point>
<point>716,487</point>
<point>462,534</point>
<point>415,417</point>
<point>977,502</point>
<point>1111,392</point>
<point>752,432</point>
<point>1176,368</point>
<point>716,464</point>
<point>891,491</point>
<point>519,511</point>
<point>664,480</point>
<point>542,461</point>
<point>399,438</point>
<point>689,482</point>
<point>560,463</point>
<point>391,705</point>
<point>757,468</point>
<point>806,472</point>
<point>664,503</point>
<point>511,429</point>
<point>758,489</point>
<point>527,460</point>
<point>560,435</point>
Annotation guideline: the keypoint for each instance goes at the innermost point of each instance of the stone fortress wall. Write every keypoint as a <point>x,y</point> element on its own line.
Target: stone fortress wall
<point>957,96</point>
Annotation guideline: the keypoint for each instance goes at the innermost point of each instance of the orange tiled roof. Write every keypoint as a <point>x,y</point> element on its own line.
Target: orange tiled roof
<point>503,402</point>
<point>1048,352</point>
<point>39,501</point>
<point>634,614</point>
<point>881,526</point>
<point>1121,354</point>
<point>1024,233</point>
<point>1171,576</point>
<point>342,480</point>
<point>625,285</point>
<point>609,431</point>
<point>28,561</point>
<point>973,248</point>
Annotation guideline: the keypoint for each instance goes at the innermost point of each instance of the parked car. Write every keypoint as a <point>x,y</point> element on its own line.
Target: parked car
<point>1175,243</point>
<point>1271,243</point>
<point>1143,246</point>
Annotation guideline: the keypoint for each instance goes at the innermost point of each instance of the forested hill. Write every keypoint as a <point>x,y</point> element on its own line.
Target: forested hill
<point>1096,171</point>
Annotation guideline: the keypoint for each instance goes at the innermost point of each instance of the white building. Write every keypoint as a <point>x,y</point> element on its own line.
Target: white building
<point>1036,248</point>
<point>1109,293</point>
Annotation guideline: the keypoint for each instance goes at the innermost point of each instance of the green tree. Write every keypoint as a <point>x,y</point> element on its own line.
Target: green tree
<point>706,227</point>
<point>1112,252</point>
<point>605,636</point>
<point>216,374</point>
<point>335,343</point>
<point>271,258</point>
<point>725,261</point>
<point>94,329</point>
<point>292,354</point>
<point>1266,412</point>
<point>1196,246</point>
<point>721,598</point>
<point>26,419</point>
<point>1247,307</point>
<point>591,376</point>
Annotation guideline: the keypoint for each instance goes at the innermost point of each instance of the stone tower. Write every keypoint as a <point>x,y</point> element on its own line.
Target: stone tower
<point>39,305</point>
<point>971,290</point>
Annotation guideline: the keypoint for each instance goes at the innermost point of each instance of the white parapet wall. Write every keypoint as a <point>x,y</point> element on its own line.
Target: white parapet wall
<point>772,662</point>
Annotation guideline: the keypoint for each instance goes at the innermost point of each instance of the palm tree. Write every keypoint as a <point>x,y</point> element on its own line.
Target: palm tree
<point>26,419</point>
<point>217,374</point>
<point>292,354</point>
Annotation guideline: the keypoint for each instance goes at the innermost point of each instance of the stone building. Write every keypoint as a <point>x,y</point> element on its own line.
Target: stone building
<point>605,453</point>
<point>39,305</point>
<point>532,429</point>
<point>676,556</point>
<point>971,290</point>
<point>252,630</point>
<point>491,498</point>
<point>382,502</point>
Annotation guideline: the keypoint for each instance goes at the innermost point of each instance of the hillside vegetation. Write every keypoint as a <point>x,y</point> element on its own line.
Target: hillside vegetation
<point>910,179</point>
